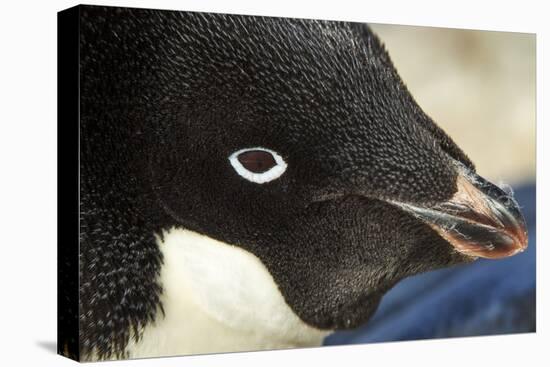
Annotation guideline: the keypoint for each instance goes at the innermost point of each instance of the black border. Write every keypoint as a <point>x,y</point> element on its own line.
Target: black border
<point>68,153</point>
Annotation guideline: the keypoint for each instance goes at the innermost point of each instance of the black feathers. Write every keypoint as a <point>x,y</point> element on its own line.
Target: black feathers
<point>166,97</point>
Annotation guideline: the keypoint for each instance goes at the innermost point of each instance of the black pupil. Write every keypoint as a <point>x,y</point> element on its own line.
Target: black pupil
<point>257,161</point>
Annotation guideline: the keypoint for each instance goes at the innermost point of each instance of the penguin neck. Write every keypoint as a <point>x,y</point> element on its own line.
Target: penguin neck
<point>218,298</point>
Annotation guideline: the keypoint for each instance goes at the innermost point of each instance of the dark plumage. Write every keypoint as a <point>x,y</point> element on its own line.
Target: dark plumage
<point>167,96</point>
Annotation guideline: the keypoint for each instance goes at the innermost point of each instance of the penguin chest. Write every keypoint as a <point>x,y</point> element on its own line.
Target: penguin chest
<point>218,298</point>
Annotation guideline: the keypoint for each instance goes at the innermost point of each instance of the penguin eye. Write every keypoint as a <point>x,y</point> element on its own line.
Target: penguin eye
<point>259,165</point>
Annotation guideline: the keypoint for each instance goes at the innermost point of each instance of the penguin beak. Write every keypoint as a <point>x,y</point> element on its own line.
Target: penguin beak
<point>480,220</point>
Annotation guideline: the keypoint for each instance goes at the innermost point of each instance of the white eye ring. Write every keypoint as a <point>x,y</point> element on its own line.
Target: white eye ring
<point>259,178</point>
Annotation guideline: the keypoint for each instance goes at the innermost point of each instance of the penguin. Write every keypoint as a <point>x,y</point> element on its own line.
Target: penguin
<point>252,183</point>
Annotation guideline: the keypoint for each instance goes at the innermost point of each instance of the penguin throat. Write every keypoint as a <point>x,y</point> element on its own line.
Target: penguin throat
<point>218,298</point>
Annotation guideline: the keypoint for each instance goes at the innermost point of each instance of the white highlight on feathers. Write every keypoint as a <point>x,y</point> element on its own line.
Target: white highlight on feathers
<point>218,298</point>
<point>506,188</point>
<point>260,178</point>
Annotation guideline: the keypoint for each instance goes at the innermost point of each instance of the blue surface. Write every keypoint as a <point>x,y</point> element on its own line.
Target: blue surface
<point>486,297</point>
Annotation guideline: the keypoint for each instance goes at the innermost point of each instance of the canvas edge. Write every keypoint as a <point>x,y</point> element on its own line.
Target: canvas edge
<point>68,193</point>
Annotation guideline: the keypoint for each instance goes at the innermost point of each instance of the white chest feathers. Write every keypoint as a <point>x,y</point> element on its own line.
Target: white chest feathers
<point>218,298</point>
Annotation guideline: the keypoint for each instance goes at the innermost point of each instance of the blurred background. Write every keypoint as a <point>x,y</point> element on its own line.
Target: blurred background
<point>479,86</point>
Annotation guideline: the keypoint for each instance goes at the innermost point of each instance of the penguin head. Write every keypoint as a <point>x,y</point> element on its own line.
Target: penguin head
<point>298,142</point>
<point>294,140</point>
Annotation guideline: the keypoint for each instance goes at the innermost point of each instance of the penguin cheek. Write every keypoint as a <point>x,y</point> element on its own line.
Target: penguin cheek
<point>353,251</point>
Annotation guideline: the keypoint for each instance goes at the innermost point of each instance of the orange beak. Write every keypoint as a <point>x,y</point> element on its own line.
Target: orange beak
<point>480,220</point>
